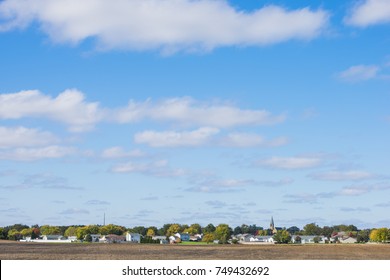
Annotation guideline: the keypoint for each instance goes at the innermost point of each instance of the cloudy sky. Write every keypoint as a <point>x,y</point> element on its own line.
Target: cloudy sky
<point>195,111</point>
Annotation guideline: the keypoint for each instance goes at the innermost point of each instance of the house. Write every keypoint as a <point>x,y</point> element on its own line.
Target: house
<point>245,237</point>
<point>348,240</point>
<point>133,237</point>
<point>183,236</point>
<point>95,237</point>
<point>266,239</point>
<point>196,237</point>
<point>113,238</point>
<point>73,238</point>
<point>52,237</point>
<point>162,238</point>
<point>308,239</point>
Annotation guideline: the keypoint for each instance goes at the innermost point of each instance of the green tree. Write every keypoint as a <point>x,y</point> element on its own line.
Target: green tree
<point>282,237</point>
<point>223,233</point>
<point>50,230</point>
<point>237,230</point>
<point>139,229</point>
<point>2,233</point>
<point>26,232</point>
<point>112,229</point>
<point>293,230</point>
<point>174,228</point>
<point>363,236</point>
<point>93,229</point>
<point>312,229</point>
<point>88,238</point>
<point>210,228</point>
<point>71,231</point>
<point>317,239</point>
<point>14,234</point>
<point>81,232</point>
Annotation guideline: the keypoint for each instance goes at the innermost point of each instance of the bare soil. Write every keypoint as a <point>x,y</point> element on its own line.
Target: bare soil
<point>73,251</point>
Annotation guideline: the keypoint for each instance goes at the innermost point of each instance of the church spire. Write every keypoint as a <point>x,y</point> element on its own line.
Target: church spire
<point>272,225</point>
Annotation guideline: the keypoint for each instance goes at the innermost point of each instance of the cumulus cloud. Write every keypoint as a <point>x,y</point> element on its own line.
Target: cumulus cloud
<point>69,107</point>
<point>189,112</point>
<point>359,73</point>
<point>11,137</point>
<point>297,162</point>
<point>251,140</point>
<point>369,12</point>
<point>170,25</point>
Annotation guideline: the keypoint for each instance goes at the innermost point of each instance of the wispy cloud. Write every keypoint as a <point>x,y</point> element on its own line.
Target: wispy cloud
<point>74,211</point>
<point>350,175</point>
<point>158,168</point>
<point>118,152</point>
<point>97,202</point>
<point>295,162</point>
<point>369,12</point>
<point>170,26</point>
<point>357,209</point>
<point>359,73</point>
<point>193,138</point>
<point>33,154</point>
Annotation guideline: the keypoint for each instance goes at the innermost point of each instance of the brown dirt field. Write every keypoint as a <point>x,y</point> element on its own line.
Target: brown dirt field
<point>74,251</point>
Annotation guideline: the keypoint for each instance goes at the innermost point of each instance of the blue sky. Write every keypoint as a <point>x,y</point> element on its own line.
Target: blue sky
<point>183,111</point>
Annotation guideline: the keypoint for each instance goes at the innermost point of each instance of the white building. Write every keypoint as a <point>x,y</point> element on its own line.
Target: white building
<point>133,237</point>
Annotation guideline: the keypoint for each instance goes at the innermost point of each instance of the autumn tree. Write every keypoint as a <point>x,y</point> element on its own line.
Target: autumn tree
<point>174,228</point>
<point>208,237</point>
<point>150,232</point>
<point>380,235</point>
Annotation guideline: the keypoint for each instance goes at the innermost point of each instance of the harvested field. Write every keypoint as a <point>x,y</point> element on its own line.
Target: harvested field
<point>74,251</point>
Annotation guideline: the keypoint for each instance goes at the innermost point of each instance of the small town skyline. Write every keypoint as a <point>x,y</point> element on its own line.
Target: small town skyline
<point>188,111</point>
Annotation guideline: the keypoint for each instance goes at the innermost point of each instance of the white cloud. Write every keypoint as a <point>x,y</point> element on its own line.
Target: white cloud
<point>119,152</point>
<point>369,12</point>
<point>24,137</point>
<point>359,73</point>
<point>159,168</point>
<point>250,140</point>
<point>351,175</point>
<point>169,25</point>
<point>32,154</point>
<point>298,162</point>
<point>193,138</point>
<point>69,107</point>
<point>189,112</point>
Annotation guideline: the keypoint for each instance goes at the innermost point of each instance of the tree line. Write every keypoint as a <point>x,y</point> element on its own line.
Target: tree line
<point>221,232</point>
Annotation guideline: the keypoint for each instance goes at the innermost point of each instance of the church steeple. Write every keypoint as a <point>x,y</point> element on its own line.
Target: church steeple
<point>272,225</point>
